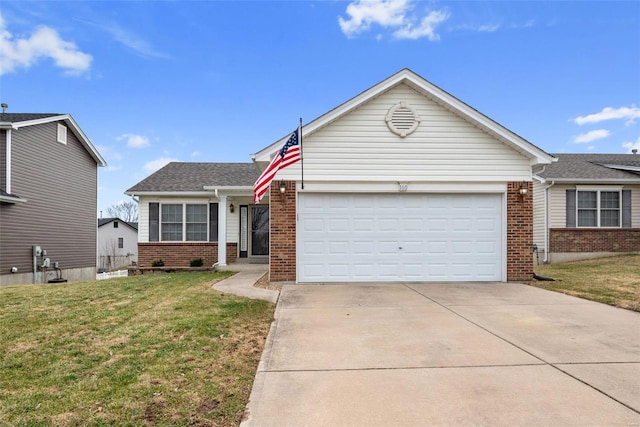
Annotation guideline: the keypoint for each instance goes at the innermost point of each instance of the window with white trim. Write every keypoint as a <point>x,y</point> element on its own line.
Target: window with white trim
<point>598,208</point>
<point>171,222</point>
<point>196,224</point>
<point>184,222</point>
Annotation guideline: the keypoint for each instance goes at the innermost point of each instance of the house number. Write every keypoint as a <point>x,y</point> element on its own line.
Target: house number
<point>403,187</point>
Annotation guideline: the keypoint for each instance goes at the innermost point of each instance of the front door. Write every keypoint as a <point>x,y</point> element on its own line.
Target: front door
<point>259,231</point>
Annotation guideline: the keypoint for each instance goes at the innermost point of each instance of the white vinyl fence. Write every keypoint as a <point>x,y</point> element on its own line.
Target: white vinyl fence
<point>112,274</point>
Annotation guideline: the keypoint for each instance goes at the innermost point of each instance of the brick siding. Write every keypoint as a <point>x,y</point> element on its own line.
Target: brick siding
<point>519,232</point>
<point>594,240</point>
<point>180,254</point>
<point>282,223</point>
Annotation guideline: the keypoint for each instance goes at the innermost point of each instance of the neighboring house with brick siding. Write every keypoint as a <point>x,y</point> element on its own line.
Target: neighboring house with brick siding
<point>403,182</point>
<point>587,206</point>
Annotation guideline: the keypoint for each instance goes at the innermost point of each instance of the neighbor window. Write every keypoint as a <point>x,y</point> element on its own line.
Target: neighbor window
<point>180,222</point>
<point>115,224</point>
<point>120,242</point>
<point>598,208</point>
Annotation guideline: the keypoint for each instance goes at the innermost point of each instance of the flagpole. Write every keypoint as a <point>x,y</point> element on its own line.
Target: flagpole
<point>301,152</point>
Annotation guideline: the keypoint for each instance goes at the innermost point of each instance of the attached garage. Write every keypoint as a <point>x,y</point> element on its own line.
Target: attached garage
<point>402,183</point>
<point>400,237</point>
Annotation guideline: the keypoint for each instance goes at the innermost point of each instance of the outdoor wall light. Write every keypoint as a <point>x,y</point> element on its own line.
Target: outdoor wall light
<point>523,189</point>
<point>283,187</point>
<point>232,208</point>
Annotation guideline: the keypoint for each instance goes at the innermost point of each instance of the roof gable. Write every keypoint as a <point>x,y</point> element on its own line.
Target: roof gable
<point>434,93</point>
<point>192,177</point>
<point>19,120</point>
<point>105,221</point>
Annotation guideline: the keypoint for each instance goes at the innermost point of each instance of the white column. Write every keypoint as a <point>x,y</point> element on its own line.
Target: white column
<point>8,163</point>
<point>222,231</point>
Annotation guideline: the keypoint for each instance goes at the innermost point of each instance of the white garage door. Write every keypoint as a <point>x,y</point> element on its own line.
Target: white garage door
<point>399,237</point>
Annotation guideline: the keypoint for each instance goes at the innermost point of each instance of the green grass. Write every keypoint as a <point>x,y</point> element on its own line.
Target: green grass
<point>161,349</point>
<point>614,280</point>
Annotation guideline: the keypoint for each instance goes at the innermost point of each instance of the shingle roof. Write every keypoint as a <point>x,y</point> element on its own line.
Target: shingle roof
<point>592,167</point>
<point>23,117</point>
<point>178,176</point>
<point>103,221</point>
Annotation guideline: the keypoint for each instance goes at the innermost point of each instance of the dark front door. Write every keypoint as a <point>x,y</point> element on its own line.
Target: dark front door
<point>259,230</point>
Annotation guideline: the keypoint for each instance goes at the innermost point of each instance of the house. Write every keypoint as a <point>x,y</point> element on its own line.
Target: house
<point>200,210</point>
<point>403,182</point>
<point>48,199</point>
<point>117,243</point>
<point>587,206</point>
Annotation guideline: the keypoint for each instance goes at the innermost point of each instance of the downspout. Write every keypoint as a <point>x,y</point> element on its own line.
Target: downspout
<point>546,222</point>
<point>8,163</point>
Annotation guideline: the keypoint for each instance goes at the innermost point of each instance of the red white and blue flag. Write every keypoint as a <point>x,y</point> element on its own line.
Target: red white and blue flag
<point>288,155</point>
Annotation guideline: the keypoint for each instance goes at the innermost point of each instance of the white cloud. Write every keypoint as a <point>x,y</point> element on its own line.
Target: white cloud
<point>486,28</point>
<point>195,154</point>
<point>629,113</point>
<point>363,13</point>
<point>154,165</point>
<point>393,14</point>
<point>134,141</point>
<point>591,136</point>
<point>427,27</point>
<point>129,40</point>
<point>45,42</point>
<point>113,168</point>
<point>632,145</point>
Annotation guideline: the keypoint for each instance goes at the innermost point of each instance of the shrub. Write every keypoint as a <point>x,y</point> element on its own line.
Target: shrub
<point>157,263</point>
<point>196,262</point>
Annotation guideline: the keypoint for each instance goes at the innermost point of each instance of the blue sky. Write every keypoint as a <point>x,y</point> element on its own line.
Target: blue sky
<point>211,81</point>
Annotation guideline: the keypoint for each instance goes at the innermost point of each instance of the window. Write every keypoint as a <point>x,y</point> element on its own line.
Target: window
<point>62,134</point>
<point>180,222</point>
<point>120,242</point>
<point>598,208</point>
<point>115,224</point>
<point>196,223</point>
<point>171,222</point>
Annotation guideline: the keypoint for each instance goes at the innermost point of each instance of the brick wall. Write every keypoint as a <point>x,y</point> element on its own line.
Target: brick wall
<point>180,254</point>
<point>282,251</point>
<point>519,232</point>
<point>594,240</point>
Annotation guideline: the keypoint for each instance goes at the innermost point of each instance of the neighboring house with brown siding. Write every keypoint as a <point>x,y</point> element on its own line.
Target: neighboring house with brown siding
<point>48,198</point>
<point>403,182</point>
<point>587,206</point>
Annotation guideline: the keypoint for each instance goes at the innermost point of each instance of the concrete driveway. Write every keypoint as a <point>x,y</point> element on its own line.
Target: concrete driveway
<point>491,354</point>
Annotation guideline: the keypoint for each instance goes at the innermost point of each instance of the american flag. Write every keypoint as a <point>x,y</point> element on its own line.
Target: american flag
<point>288,155</point>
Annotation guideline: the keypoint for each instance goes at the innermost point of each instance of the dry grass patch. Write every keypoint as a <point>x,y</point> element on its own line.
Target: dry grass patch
<point>163,349</point>
<point>614,280</point>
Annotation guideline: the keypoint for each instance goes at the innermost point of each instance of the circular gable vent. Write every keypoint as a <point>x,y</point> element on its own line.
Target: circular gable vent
<point>402,119</point>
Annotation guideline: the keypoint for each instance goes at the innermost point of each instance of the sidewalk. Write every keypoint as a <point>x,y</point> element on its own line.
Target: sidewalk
<point>242,282</point>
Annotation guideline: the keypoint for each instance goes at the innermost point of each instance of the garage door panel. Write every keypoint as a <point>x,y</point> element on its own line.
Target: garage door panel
<point>365,237</point>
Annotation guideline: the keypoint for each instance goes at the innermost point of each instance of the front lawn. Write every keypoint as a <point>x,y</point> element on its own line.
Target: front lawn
<point>161,349</point>
<point>613,281</point>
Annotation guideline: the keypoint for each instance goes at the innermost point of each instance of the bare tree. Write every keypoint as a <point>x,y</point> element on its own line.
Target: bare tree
<point>126,211</point>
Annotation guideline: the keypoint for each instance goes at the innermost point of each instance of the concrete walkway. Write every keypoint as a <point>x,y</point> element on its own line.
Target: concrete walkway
<point>491,354</point>
<point>242,282</point>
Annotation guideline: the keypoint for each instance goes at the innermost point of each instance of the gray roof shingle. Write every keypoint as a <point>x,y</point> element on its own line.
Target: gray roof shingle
<point>179,176</point>
<point>23,117</point>
<point>592,167</point>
